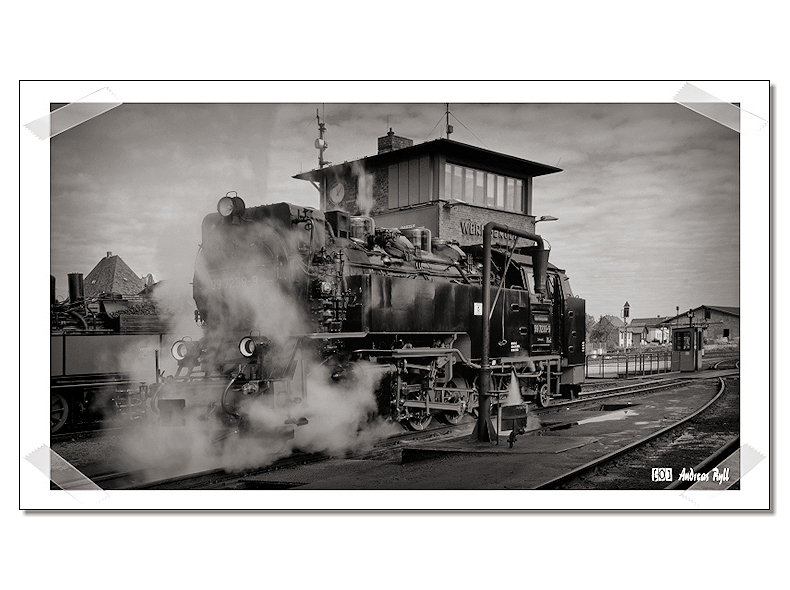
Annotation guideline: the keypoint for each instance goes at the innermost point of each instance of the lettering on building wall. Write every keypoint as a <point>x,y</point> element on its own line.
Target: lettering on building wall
<point>471,228</point>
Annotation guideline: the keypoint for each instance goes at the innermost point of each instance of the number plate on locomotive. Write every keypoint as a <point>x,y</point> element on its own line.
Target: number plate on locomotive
<point>234,282</point>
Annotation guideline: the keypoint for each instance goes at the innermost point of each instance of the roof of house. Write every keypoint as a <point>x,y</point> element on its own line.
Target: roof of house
<point>648,322</point>
<point>455,151</point>
<point>112,275</point>
<point>736,311</point>
<point>729,310</point>
<point>614,320</point>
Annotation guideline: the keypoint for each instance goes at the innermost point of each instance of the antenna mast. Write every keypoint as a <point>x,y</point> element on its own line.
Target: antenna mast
<point>447,115</point>
<point>320,143</point>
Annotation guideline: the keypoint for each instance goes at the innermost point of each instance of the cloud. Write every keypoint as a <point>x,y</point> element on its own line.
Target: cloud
<point>637,180</point>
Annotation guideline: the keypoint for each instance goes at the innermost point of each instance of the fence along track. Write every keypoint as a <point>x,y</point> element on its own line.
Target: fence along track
<point>607,366</point>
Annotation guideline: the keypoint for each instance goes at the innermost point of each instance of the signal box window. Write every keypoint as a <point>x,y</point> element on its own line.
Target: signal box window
<point>485,189</point>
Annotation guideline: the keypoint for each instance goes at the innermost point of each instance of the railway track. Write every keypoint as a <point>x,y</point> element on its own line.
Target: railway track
<point>215,479</point>
<point>620,463</point>
<point>388,448</point>
<point>719,365</point>
<point>92,431</point>
<point>709,463</point>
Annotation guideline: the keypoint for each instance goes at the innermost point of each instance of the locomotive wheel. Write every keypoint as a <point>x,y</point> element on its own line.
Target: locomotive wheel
<point>418,421</point>
<point>450,417</point>
<point>544,396</point>
<point>58,412</point>
<point>454,417</point>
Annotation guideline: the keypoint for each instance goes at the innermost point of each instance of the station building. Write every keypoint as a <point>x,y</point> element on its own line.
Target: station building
<point>720,324</point>
<point>450,188</point>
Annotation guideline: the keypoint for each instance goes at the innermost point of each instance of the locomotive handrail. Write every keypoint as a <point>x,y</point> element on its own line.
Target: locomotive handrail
<point>426,351</point>
<point>502,282</point>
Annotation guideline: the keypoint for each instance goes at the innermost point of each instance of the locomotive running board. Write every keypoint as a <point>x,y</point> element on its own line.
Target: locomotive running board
<point>331,335</point>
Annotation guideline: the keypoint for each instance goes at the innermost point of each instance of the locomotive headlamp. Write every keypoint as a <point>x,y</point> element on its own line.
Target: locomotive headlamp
<point>180,350</point>
<point>225,206</point>
<point>253,344</point>
<point>247,347</point>
<point>228,205</point>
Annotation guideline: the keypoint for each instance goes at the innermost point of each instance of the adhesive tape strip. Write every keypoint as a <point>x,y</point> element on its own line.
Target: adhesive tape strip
<point>738,464</point>
<point>73,114</point>
<point>67,477</point>
<point>718,110</point>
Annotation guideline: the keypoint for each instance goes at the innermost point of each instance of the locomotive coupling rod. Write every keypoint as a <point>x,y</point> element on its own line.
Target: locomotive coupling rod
<point>540,259</point>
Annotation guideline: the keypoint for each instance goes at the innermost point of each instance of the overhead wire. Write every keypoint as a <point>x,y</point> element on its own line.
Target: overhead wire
<point>434,127</point>
<point>469,130</point>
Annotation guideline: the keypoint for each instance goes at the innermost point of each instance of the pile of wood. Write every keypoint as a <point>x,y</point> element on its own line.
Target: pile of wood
<point>147,307</point>
<point>143,317</point>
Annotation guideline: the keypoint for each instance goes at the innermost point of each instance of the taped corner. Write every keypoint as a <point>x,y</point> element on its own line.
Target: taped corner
<point>67,477</point>
<point>73,114</point>
<point>718,110</point>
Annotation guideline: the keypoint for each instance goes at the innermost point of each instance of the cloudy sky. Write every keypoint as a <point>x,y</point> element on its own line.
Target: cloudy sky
<point>648,199</point>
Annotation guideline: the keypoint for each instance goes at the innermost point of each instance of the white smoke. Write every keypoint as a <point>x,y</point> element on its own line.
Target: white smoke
<point>365,200</point>
<point>341,416</point>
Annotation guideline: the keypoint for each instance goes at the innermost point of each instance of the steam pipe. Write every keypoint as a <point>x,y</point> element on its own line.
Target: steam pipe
<point>223,398</point>
<point>540,259</point>
<point>80,318</point>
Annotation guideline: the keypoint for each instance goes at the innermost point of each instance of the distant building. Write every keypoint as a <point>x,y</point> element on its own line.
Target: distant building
<point>642,331</point>
<point>112,276</point>
<point>603,335</point>
<point>721,324</point>
<point>629,334</point>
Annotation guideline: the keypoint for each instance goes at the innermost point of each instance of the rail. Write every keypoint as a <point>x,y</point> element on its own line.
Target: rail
<point>614,366</point>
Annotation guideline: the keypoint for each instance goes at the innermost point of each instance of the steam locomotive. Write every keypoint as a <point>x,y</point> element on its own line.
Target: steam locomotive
<point>101,359</point>
<point>285,293</point>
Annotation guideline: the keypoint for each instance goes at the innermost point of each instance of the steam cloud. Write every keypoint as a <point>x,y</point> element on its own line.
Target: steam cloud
<point>365,200</point>
<point>249,295</point>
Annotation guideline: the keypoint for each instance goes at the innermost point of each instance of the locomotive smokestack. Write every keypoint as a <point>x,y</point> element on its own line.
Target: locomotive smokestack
<point>76,290</point>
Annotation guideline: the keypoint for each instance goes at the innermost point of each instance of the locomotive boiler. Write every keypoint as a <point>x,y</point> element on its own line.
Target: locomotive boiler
<point>285,293</point>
